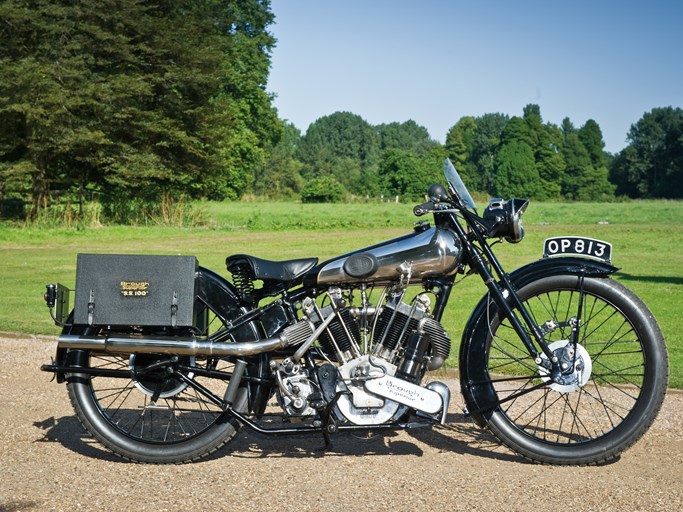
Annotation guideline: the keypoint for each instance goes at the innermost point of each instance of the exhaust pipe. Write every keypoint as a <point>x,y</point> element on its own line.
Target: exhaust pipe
<point>187,346</point>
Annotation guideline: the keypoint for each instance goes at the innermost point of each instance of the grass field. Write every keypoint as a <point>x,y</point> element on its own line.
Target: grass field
<point>643,234</point>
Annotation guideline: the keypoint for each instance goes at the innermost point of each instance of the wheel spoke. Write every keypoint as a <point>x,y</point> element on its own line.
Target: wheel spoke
<point>572,410</point>
<point>180,413</point>
<point>576,417</point>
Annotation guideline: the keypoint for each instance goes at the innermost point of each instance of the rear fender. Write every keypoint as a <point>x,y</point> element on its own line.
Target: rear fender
<point>222,297</point>
<point>479,397</point>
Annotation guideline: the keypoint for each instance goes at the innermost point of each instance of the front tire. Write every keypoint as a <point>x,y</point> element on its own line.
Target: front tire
<point>613,388</point>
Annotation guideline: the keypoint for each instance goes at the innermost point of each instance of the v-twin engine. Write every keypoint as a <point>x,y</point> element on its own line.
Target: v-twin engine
<point>377,354</point>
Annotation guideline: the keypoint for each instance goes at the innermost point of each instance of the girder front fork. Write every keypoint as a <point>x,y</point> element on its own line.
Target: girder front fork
<point>497,293</point>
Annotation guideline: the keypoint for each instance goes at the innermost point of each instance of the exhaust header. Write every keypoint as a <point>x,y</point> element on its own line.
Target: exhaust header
<point>187,346</point>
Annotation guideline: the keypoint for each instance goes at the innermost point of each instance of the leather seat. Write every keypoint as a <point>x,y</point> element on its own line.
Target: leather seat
<point>273,271</point>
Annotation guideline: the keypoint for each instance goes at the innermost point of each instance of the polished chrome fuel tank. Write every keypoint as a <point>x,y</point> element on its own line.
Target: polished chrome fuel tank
<point>430,252</point>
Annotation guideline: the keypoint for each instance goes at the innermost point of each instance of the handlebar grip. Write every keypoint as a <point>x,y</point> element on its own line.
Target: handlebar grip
<point>424,208</point>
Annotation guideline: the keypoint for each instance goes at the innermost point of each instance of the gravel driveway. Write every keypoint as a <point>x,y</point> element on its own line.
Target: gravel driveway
<point>48,463</point>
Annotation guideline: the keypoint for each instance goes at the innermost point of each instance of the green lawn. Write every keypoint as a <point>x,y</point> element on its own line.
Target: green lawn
<point>643,234</point>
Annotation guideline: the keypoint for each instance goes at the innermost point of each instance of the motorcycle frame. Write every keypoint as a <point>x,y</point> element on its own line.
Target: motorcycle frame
<point>477,253</point>
<point>443,286</point>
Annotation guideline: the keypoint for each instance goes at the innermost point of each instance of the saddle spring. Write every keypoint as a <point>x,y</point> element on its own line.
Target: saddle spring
<point>243,280</point>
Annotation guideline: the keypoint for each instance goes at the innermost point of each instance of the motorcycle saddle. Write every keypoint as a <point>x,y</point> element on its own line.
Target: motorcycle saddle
<point>268,270</point>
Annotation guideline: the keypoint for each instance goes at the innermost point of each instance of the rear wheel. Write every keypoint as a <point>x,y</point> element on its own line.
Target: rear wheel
<point>613,381</point>
<point>155,408</point>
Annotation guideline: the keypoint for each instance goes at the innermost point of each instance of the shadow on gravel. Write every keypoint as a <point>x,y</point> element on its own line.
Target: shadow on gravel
<point>16,506</point>
<point>69,432</point>
<point>459,436</point>
<point>463,436</point>
<point>254,445</point>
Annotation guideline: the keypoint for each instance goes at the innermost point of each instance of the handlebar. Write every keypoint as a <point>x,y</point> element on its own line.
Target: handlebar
<point>424,208</point>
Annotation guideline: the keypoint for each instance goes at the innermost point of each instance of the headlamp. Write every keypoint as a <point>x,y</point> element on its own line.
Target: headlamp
<point>504,219</point>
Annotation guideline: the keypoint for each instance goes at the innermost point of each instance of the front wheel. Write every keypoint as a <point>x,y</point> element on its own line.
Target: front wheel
<point>614,372</point>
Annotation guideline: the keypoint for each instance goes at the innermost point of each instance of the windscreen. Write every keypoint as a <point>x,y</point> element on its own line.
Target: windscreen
<point>456,184</point>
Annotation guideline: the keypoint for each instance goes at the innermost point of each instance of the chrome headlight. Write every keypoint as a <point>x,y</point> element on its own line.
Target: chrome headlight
<point>504,219</point>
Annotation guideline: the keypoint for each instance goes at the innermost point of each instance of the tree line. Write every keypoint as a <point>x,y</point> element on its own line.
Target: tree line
<point>120,99</point>
<point>495,154</point>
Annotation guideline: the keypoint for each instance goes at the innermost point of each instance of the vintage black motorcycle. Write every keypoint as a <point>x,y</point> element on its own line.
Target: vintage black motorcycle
<point>164,360</point>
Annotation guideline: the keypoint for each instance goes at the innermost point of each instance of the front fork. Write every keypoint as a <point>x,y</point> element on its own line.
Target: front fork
<point>510,307</point>
<point>506,298</point>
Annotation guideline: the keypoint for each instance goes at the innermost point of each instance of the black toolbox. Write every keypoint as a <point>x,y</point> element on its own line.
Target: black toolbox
<point>124,290</point>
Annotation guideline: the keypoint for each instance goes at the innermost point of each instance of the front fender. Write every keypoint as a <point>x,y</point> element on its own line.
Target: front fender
<point>478,397</point>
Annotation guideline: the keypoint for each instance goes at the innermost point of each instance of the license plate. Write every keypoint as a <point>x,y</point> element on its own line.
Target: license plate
<point>577,246</point>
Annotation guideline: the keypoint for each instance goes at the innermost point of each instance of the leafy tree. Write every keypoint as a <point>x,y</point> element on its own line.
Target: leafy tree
<point>280,175</point>
<point>47,106</point>
<point>516,173</point>
<point>370,183</point>
<point>324,189</point>
<point>340,145</point>
<point>348,172</point>
<point>549,162</point>
<point>487,140</point>
<point>628,172</point>
<point>533,119</point>
<point>408,135</point>
<point>595,185</point>
<point>545,141</point>
<point>517,129</point>
<point>483,149</point>
<point>401,173</point>
<point>591,138</point>
<point>577,161</point>
<point>459,147</point>
<point>249,117</point>
<point>652,164</point>
<point>130,97</point>
<point>407,175</point>
<point>346,147</point>
<point>567,127</point>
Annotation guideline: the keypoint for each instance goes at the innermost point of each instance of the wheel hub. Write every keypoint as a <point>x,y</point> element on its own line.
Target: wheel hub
<point>575,363</point>
<point>148,382</point>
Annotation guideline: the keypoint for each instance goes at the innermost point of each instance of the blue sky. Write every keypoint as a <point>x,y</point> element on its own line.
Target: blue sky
<point>435,61</point>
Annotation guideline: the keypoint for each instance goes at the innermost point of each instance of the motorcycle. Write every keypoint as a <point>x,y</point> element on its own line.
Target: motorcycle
<point>165,360</point>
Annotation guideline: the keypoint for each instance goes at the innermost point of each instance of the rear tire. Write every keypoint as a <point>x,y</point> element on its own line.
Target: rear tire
<point>585,419</point>
<point>145,413</point>
<point>181,426</point>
